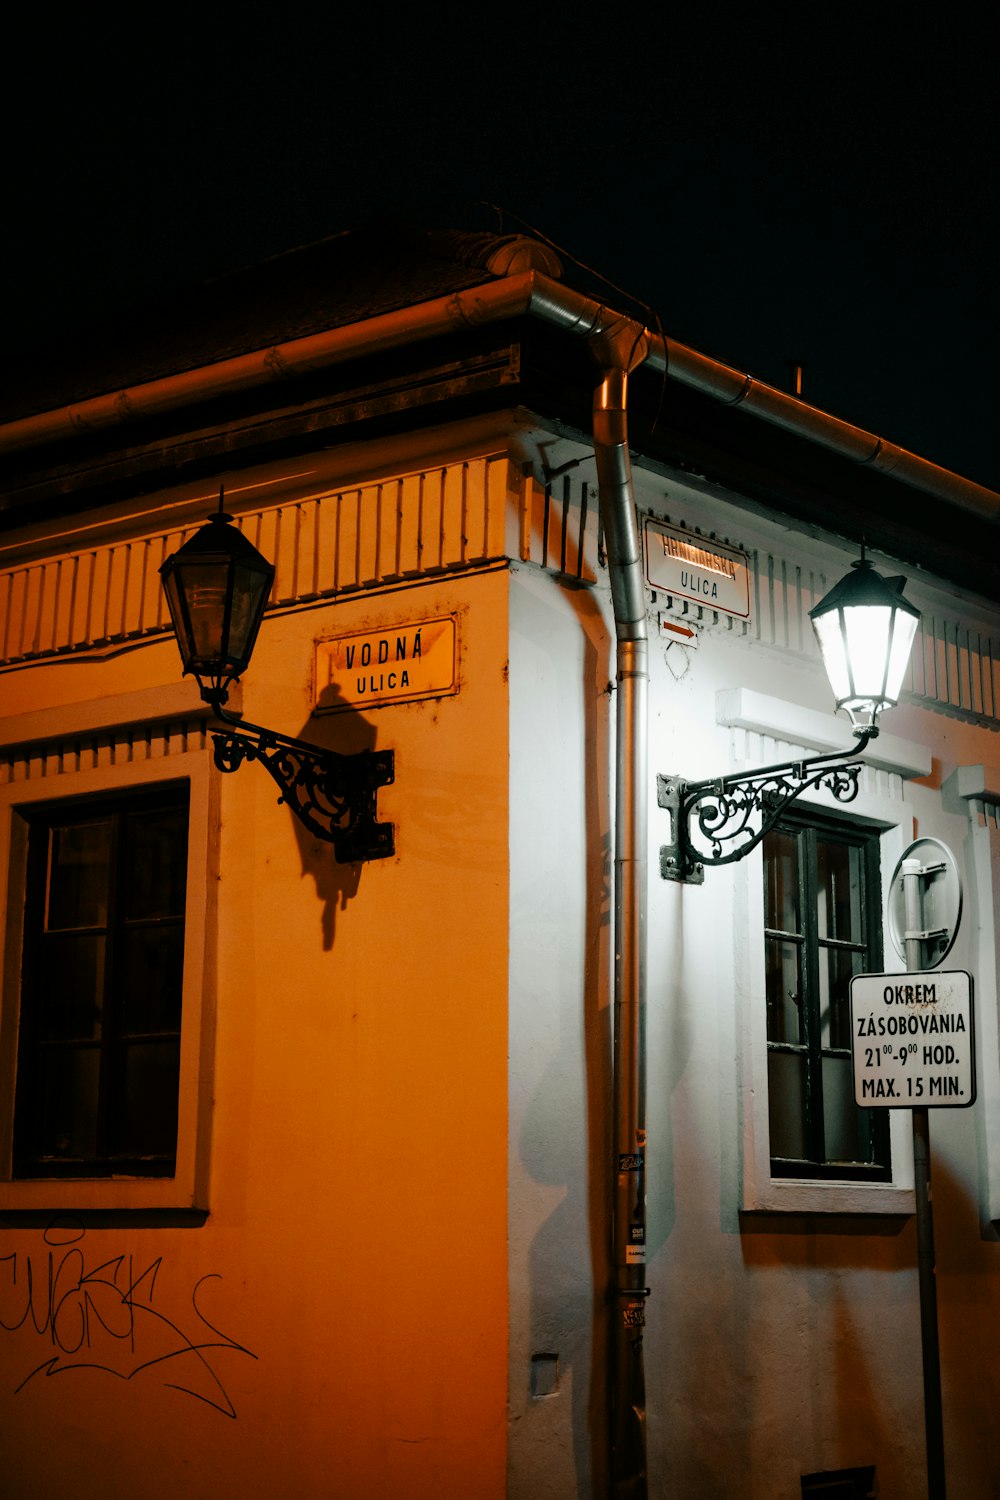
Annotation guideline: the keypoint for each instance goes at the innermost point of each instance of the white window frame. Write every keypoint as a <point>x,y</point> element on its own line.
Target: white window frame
<point>760,1192</point>
<point>188,1188</point>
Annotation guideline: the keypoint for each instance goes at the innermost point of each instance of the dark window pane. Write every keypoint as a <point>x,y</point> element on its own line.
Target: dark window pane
<point>150,976</point>
<point>155,865</point>
<point>836,968</point>
<point>148,1118</point>
<point>781,884</point>
<point>79,866</point>
<point>821,900</point>
<point>838,891</point>
<point>786,1091</point>
<point>841,1116</point>
<point>71,986</point>
<point>98,1063</point>
<point>784,992</point>
<point>68,1095</point>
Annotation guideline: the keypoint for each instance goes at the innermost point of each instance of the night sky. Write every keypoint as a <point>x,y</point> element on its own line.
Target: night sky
<point>797,183</point>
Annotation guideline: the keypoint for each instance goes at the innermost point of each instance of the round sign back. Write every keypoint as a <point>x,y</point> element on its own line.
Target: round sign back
<point>940,888</point>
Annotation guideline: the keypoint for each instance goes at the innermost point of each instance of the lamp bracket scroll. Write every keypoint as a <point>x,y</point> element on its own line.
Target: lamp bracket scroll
<point>333,796</point>
<point>732,814</point>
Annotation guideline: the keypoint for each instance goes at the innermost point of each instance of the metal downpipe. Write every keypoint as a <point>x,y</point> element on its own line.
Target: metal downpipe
<point>628,1291</point>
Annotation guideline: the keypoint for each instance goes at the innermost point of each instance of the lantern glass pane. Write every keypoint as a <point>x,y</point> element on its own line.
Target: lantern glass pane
<point>178,615</point>
<point>250,591</point>
<point>867,629</point>
<point>904,629</point>
<point>204,586</point>
<point>831,645</point>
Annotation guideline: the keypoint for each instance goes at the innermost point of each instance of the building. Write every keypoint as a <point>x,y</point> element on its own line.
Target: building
<point>369,1250</point>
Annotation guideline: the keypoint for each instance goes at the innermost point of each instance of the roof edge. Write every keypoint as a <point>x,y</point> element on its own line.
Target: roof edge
<point>521,288</point>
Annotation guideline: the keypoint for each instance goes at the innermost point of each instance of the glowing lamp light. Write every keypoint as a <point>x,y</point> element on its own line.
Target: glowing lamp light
<point>217,586</point>
<point>865,629</point>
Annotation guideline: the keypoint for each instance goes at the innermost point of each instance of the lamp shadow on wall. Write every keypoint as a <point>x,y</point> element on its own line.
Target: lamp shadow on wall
<point>333,725</point>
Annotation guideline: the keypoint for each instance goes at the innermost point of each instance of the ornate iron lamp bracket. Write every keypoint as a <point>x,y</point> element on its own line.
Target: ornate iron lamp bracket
<point>725,809</point>
<point>332,795</point>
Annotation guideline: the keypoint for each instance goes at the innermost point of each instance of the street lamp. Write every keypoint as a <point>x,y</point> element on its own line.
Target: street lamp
<point>217,587</point>
<point>865,629</point>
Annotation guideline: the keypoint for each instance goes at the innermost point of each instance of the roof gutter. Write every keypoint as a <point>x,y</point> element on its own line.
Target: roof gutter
<point>734,388</point>
<point>511,296</point>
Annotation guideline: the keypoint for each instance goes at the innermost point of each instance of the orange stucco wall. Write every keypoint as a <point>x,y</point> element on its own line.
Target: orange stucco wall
<point>337,1326</point>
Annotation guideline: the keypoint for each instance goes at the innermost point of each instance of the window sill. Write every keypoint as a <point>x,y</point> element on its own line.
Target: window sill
<point>108,1194</point>
<point>793,1195</point>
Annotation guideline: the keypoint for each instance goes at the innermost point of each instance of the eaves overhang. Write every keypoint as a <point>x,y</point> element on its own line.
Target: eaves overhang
<point>687,409</point>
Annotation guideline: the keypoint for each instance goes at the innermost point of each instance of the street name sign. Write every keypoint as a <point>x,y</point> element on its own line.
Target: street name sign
<point>689,566</point>
<point>397,664</point>
<point>913,1040</point>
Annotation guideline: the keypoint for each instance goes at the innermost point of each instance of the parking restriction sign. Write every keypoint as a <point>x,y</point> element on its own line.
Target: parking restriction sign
<point>913,1041</point>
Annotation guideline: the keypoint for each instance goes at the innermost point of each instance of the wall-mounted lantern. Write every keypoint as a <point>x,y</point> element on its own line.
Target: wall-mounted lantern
<point>865,629</point>
<point>217,587</point>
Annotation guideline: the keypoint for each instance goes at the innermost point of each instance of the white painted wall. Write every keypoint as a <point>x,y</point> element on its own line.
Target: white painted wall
<point>560,1080</point>
<point>777,1343</point>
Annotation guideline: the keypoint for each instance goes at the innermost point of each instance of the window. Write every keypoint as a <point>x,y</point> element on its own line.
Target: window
<point>822,901</point>
<point>99,1031</point>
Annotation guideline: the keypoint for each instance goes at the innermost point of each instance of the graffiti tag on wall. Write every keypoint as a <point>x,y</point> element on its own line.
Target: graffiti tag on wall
<point>111,1316</point>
